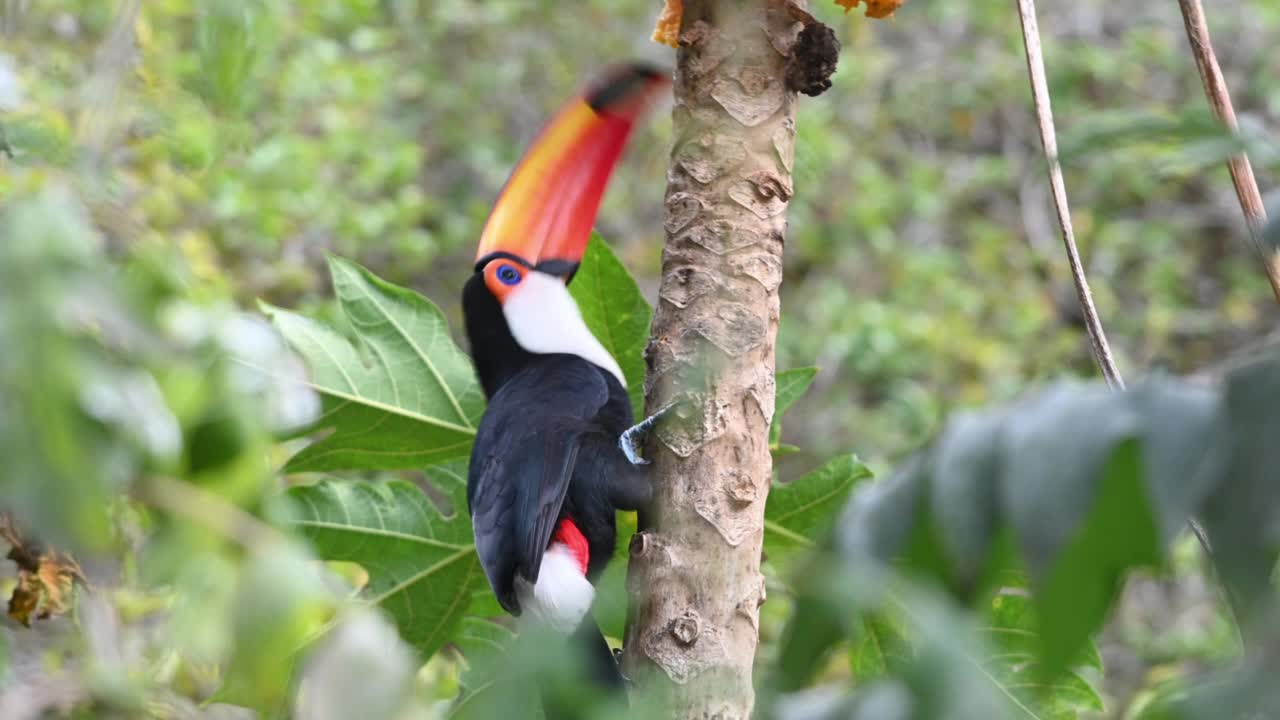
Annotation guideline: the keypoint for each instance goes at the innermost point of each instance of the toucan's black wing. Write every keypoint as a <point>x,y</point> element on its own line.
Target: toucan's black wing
<point>522,461</point>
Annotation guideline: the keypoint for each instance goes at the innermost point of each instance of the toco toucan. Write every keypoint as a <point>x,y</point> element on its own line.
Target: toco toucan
<point>548,469</point>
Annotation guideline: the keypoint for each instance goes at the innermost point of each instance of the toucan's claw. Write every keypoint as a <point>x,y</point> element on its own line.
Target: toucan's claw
<point>632,440</point>
<point>631,443</point>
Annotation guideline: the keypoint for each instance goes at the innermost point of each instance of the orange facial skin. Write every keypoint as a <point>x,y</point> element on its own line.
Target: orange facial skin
<point>502,276</point>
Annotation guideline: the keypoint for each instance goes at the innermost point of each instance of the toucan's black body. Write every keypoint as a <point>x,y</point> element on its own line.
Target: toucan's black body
<point>547,448</point>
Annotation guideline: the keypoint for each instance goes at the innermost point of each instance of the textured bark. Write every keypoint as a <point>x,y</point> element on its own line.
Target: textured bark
<point>695,568</point>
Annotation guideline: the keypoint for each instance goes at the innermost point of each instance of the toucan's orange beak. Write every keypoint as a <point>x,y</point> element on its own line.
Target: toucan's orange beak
<point>548,206</point>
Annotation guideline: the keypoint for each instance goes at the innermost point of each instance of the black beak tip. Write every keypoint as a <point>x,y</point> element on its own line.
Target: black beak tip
<point>621,82</point>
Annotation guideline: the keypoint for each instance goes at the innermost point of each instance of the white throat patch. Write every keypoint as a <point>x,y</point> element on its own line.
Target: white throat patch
<point>544,319</point>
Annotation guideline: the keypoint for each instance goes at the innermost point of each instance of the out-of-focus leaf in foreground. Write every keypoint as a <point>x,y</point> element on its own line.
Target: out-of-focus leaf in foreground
<point>362,669</point>
<point>280,603</point>
<point>55,315</point>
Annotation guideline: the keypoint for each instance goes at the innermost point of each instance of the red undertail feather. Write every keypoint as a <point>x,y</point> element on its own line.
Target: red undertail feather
<point>568,534</point>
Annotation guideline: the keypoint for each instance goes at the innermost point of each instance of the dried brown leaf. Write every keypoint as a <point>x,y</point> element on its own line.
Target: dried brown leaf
<point>667,31</point>
<point>875,8</point>
<point>46,577</point>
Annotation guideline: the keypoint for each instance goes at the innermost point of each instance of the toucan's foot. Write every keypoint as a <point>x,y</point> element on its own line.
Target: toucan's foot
<point>630,444</point>
<point>632,440</point>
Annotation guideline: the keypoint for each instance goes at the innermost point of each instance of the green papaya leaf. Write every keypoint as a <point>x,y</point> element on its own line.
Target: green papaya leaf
<point>484,604</point>
<point>883,645</point>
<point>480,641</point>
<point>401,396</point>
<point>489,689</point>
<point>791,386</point>
<point>422,565</point>
<point>945,668</point>
<point>798,511</point>
<point>1014,661</point>
<point>784,450</point>
<point>615,311</point>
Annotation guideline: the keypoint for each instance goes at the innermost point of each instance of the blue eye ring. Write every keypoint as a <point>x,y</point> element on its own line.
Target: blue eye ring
<point>508,275</point>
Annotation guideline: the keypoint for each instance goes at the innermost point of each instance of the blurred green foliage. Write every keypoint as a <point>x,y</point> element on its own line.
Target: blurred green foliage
<point>256,135</point>
<point>163,164</point>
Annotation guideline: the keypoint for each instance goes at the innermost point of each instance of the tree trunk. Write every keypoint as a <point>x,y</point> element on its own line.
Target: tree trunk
<point>695,567</point>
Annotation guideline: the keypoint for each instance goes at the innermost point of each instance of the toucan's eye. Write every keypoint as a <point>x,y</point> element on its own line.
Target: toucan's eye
<point>508,275</point>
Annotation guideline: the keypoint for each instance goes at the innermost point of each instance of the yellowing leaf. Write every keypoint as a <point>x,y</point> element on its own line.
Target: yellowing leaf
<point>667,31</point>
<point>875,8</point>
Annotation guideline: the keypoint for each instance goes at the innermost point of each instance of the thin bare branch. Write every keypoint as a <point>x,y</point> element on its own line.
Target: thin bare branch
<point>1215,88</point>
<point>1048,137</point>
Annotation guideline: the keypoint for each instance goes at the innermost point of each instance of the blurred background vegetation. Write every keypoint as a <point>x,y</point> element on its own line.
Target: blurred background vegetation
<point>923,267</point>
<point>220,148</point>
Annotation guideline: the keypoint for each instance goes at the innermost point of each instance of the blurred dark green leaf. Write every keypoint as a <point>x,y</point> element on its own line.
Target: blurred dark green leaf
<point>1091,484</point>
<point>879,647</point>
<point>1103,132</point>
<point>1242,514</point>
